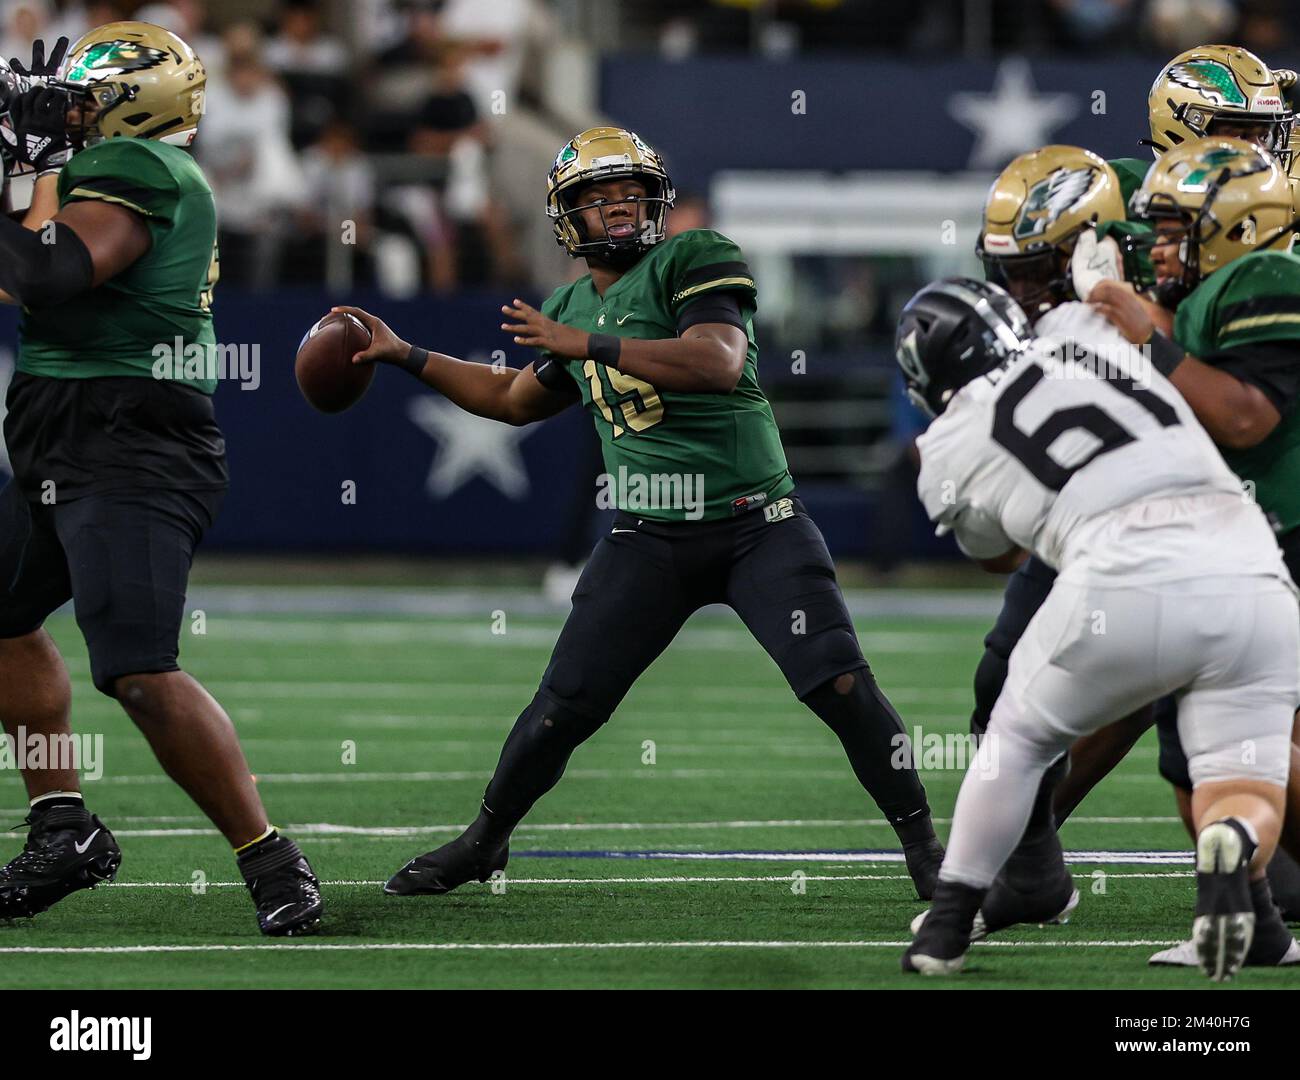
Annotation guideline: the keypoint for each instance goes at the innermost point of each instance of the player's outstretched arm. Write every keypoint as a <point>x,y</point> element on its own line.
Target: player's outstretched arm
<point>91,242</point>
<point>44,205</point>
<point>1237,414</point>
<point>507,394</point>
<point>708,358</point>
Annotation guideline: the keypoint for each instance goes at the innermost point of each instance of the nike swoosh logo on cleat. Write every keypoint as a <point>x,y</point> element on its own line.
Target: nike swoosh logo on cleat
<point>81,848</point>
<point>277,911</point>
<point>615,532</point>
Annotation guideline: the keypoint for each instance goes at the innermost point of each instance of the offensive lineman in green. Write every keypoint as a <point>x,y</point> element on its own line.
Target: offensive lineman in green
<point>657,342</point>
<point>119,465</point>
<point>1224,327</point>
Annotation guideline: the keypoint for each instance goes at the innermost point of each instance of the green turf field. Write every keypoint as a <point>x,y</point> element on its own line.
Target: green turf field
<point>739,766</point>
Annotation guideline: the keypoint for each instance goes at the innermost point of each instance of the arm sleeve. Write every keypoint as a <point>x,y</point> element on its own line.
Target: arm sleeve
<point>124,172</point>
<point>712,307</point>
<point>554,376</point>
<point>1272,366</point>
<point>1260,302</point>
<point>706,262</point>
<point>550,369</point>
<point>36,273</point>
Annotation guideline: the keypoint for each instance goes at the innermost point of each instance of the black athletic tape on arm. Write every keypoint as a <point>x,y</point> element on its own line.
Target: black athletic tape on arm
<point>415,360</point>
<point>1272,366</point>
<point>37,274</point>
<point>1165,354</point>
<point>712,307</point>
<point>604,349</point>
<point>551,374</point>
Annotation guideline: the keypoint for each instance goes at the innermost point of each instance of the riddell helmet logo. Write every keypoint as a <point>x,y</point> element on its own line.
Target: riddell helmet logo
<point>1049,199</point>
<point>1212,80</point>
<point>1268,101</point>
<point>997,244</point>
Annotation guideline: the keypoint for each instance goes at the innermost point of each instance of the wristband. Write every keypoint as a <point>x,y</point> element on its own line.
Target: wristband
<point>1165,354</point>
<point>604,349</point>
<point>414,361</point>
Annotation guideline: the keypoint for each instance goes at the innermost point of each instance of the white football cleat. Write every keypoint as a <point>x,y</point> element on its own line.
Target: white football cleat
<point>1184,955</point>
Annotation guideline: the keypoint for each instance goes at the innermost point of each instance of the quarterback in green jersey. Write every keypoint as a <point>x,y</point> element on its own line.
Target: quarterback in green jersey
<point>656,342</point>
<point>118,469</point>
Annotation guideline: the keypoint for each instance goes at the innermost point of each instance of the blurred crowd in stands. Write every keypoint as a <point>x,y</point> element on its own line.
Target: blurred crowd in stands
<point>388,179</point>
<point>402,143</point>
<point>926,27</point>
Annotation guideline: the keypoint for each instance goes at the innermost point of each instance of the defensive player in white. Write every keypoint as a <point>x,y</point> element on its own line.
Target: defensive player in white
<point>1068,445</point>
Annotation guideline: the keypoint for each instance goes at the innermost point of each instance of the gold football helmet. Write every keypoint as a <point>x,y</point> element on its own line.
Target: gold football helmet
<point>135,80</point>
<point>1033,216</point>
<point>1221,90</point>
<point>606,153</point>
<point>1228,197</point>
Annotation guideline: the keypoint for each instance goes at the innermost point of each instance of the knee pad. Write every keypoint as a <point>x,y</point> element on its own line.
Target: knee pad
<point>535,754</point>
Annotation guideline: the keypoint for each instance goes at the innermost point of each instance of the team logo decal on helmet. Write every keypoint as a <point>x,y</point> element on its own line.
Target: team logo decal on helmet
<point>1212,80</point>
<point>1210,164</point>
<point>119,57</point>
<point>1050,198</point>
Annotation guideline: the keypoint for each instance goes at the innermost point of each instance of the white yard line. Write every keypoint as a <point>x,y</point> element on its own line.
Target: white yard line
<point>678,879</point>
<point>332,829</point>
<point>552,946</point>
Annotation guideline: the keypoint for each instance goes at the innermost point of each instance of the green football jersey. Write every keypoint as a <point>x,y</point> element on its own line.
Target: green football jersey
<point>1253,299</point>
<point>162,299</point>
<point>1131,172</point>
<point>674,456</point>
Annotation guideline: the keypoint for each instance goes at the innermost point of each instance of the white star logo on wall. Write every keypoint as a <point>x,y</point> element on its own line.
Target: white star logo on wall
<point>470,446</point>
<point>1013,118</point>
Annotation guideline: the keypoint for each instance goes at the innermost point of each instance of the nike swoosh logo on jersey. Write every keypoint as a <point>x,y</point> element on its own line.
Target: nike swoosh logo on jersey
<point>615,532</point>
<point>81,848</point>
<point>625,318</point>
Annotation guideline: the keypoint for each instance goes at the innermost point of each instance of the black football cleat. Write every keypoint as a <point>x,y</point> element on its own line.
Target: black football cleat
<point>943,936</point>
<point>923,861</point>
<point>284,889</point>
<point>1224,926</point>
<point>67,850</point>
<point>1284,880</point>
<point>447,868</point>
<point>1038,890</point>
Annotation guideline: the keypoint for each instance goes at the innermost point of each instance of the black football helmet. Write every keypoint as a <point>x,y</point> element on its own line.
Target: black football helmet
<point>11,86</point>
<point>953,331</point>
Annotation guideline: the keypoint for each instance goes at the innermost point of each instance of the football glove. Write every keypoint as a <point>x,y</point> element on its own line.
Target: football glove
<point>39,118</point>
<point>1094,261</point>
<point>41,70</point>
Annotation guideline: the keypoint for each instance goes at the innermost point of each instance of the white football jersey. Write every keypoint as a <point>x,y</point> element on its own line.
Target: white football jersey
<point>1082,453</point>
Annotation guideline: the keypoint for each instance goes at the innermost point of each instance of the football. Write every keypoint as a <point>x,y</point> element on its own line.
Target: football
<point>326,375</point>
